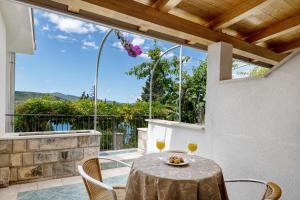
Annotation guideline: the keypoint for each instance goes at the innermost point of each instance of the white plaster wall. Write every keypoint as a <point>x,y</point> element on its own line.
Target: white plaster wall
<point>3,60</point>
<point>255,126</point>
<point>177,138</point>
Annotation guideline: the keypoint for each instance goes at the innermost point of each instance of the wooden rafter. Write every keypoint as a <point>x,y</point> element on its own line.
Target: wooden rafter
<point>130,15</point>
<point>238,13</point>
<point>275,30</point>
<point>188,16</point>
<point>166,5</point>
<point>289,47</point>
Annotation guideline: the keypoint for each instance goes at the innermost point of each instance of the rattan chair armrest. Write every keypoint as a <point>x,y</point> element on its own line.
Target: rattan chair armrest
<point>118,161</point>
<point>94,181</point>
<point>249,180</point>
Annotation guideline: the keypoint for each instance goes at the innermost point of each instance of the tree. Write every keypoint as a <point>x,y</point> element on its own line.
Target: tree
<point>193,94</point>
<point>259,71</point>
<point>165,86</point>
<point>84,96</point>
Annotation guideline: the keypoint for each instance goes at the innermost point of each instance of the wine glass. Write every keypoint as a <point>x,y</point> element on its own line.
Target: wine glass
<point>192,147</point>
<point>160,144</point>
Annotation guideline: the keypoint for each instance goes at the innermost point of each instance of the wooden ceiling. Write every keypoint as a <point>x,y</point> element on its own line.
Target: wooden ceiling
<point>261,31</point>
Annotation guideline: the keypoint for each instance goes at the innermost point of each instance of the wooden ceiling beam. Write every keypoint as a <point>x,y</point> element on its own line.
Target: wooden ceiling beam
<point>289,47</point>
<point>275,30</point>
<point>188,16</point>
<point>127,14</point>
<point>166,5</point>
<point>237,13</point>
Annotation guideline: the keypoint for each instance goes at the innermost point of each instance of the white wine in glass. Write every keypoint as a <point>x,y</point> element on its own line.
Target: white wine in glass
<point>192,147</point>
<point>160,144</point>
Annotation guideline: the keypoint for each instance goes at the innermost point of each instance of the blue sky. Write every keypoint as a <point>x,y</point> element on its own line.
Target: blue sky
<point>65,59</point>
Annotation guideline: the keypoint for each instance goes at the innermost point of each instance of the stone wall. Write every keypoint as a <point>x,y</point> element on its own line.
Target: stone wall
<point>142,140</point>
<point>31,158</point>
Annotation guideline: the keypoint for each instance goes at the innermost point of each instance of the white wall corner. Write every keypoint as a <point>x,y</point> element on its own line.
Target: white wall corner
<point>219,67</point>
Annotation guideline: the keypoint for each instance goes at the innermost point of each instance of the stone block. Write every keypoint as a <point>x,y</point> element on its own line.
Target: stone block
<point>89,141</point>
<point>32,172</point>
<point>19,146</point>
<point>46,157</point>
<point>13,174</point>
<point>76,166</point>
<point>77,154</point>
<point>91,152</point>
<point>4,177</point>
<point>27,158</point>
<point>33,145</point>
<point>83,141</point>
<point>6,146</point>
<point>118,141</point>
<point>4,160</point>
<point>58,143</point>
<point>72,154</point>
<point>48,170</point>
<point>64,169</point>
<point>65,155</point>
<point>16,159</point>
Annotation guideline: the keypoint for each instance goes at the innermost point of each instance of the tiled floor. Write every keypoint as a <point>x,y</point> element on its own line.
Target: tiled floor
<point>63,188</point>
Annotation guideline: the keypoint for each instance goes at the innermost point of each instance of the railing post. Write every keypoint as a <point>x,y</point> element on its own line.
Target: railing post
<point>117,141</point>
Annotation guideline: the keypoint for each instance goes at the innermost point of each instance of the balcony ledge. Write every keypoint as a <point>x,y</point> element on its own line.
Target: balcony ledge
<point>48,134</point>
<point>176,124</point>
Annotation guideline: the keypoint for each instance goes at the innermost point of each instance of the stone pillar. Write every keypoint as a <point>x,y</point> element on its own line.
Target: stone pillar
<point>118,141</point>
<point>142,140</point>
<point>10,91</point>
<point>219,68</point>
<point>3,67</point>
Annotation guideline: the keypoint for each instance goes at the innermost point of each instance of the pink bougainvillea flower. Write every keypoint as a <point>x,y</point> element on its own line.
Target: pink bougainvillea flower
<point>132,50</point>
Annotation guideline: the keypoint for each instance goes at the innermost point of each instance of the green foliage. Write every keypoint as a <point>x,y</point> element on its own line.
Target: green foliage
<point>259,71</point>
<point>165,86</point>
<point>193,94</point>
<point>85,107</point>
<point>164,78</point>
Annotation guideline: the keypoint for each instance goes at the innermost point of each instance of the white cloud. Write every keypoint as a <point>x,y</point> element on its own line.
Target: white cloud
<point>89,45</point>
<point>45,28</point>
<point>36,21</point>
<point>69,25</point>
<point>144,55</point>
<point>169,55</point>
<point>63,51</point>
<point>62,37</point>
<point>102,28</point>
<point>118,45</point>
<point>138,41</point>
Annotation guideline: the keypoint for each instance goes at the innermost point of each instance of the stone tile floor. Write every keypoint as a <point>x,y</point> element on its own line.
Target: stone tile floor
<point>71,188</point>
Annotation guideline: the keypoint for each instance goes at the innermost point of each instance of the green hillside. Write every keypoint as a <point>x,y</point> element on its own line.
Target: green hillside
<point>21,96</point>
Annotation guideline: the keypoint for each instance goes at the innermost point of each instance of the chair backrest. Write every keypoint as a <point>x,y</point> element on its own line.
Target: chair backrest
<point>273,192</point>
<point>96,191</point>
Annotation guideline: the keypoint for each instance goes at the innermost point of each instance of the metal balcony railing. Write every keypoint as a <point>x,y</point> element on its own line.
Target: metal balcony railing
<point>112,127</point>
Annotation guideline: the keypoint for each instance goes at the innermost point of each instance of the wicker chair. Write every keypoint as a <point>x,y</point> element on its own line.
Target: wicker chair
<point>273,191</point>
<point>90,172</point>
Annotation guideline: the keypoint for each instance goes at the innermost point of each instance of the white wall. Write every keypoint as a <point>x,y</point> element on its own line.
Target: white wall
<point>177,138</point>
<point>255,125</point>
<point>3,60</point>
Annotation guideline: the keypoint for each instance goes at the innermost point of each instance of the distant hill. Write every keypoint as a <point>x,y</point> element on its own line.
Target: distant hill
<point>21,96</point>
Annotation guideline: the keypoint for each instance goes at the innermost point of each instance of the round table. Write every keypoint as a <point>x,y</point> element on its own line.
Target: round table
<point>152,179</point>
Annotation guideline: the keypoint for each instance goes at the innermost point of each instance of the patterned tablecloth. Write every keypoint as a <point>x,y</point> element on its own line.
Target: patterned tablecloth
<point>151,179</point>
